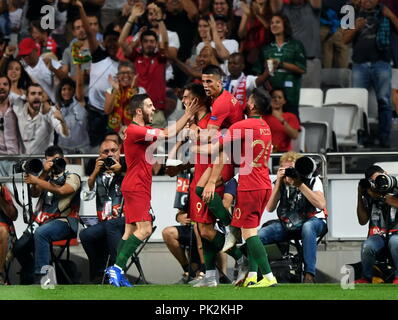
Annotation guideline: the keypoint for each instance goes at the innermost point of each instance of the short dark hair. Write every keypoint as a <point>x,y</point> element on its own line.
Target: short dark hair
<point>126,64</point>
<point>237,54</point>
<point>370,171</point>
<point>137,102</point>
<point>74,21</point>
<point>8,79</point>
<point>198,91</point>
<point>37,24</point>
<point>111,132</point>
<point>149,33</point>
<point>213,69</point>
<point>261,101</point>
<point>53,150</point>
<point>34,84</point>
<point>109,31</point>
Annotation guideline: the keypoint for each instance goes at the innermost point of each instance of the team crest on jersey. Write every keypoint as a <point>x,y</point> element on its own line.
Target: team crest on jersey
<point>234,100</point>
<point>214,118</point>
<point>151,132</point>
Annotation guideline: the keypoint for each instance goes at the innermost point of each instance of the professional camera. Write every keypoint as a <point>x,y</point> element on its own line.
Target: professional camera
<point>385,183</point>
<point>304,168</point>
<point>31,166</point>
<point>59,165</point>
<point>108,162</point>
<point>366,184</point>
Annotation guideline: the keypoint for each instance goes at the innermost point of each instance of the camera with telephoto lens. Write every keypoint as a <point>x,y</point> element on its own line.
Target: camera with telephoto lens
<point>59,165</point>
<point>304,168</point>
<point>30,166</point>
<point>385,184</point>
<point>108,162</point>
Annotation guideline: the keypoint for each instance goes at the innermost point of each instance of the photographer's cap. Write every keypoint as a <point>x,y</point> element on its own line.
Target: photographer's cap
<point>370,171</point>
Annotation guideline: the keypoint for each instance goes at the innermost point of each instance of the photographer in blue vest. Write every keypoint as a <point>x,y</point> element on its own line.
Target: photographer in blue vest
<point>301,207</point>
<point>377,205</point>
<point>100,241</point>
<point>55,217</point>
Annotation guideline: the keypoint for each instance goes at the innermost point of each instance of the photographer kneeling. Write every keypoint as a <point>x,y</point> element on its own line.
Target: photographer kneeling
<point>101,240</point>
<point>377,204</point>
<point>301,209</point>
<point>55,217</point>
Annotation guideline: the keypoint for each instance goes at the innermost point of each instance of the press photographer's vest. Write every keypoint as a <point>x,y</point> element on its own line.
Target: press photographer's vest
<point>108,197</point>
<point>293,205</point>
<point>383,218</point>
<point>52,206</point>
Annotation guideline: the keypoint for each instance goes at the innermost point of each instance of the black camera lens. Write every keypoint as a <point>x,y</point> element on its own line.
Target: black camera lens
<point>59,165</point>
<point>108,162</point>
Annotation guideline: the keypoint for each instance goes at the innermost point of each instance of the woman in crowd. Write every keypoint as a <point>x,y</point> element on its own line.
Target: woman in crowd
<point>284,126</point>
<point>285,61</point>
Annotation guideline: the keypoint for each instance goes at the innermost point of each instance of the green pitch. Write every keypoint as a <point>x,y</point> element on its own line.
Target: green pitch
<point>185,292</point>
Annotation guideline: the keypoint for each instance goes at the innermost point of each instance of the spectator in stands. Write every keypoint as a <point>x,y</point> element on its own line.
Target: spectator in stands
<point>377,209</point>
<point>334,50</point>
<point>218,40</point>
<point>110,10</point>
<point>207,56</point>
<point>15,16</point>
<point>285,61</point>
<point>119,95</point>
<point>181,18</point>
<point>238,83</point>
<point>372,56</point>
<point>254,28</point>
<point>9,135</point>
<point>393,6</point>
<point>299,200</point>
<point>78,52</point>
<point>56,218</point>
<point>284,126</point>
<point>225,8</point>
<point>44,42</point>
<point>304,17</point>
<point>37,122</point>
<point>40,70</point>
<point>16,73</point>
<point>100,241</point>
<point>71,103</point>
<point>8,214</point>
<point>104,64</point>
<point>150,65</point>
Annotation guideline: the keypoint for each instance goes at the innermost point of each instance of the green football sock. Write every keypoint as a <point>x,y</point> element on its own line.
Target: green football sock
<point>257,251</point>
<point>120,246</point>
<point>127,250</point>
<point>209,253</point>
<point>216,207</point>
<point>253,265</point>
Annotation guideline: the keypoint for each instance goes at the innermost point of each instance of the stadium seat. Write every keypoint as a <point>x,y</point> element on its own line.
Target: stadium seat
<point>298,144</point>
<point>389,166</point>
<point>308,114</point>
<point>336,78</point>
<point>351,96</point>
<point>316,136</point>
<point>311,97</point>
<point>345,124</point>
<point>62,266</point>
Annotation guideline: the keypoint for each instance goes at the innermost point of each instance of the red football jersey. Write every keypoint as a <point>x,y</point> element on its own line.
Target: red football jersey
<point>256,147</point>
<point>225,110</point>
<point>139,168</point>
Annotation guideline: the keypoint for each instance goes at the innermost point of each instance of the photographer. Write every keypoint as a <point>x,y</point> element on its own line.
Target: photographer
<point>8,214</point>
<point>301,209</point>
<point>101,240</point>
<point>55,217</point>
<point>379,209</point>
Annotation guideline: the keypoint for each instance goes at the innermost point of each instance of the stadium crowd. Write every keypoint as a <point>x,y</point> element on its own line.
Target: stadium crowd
<point>73,84</point>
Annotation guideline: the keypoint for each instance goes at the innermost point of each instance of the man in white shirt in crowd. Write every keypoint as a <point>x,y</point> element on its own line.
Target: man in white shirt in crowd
<point>239,84</point>
<point>41,70</point>
<point>37,122</point>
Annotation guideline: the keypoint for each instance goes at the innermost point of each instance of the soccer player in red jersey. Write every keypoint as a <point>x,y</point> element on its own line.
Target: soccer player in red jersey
<point>254,187</point>
<point>136,187</point>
